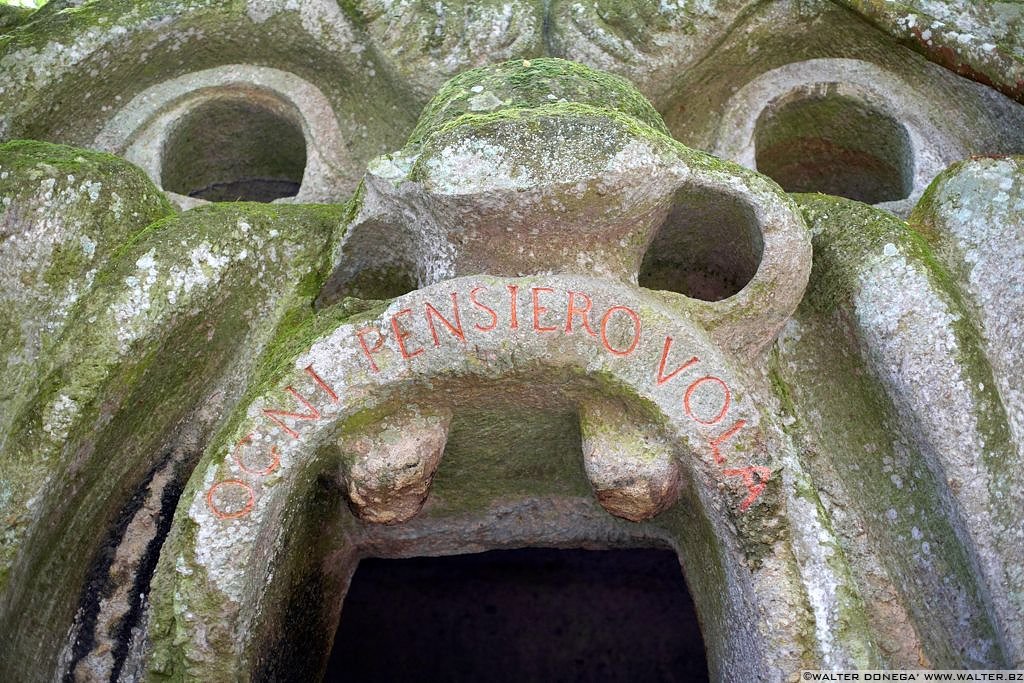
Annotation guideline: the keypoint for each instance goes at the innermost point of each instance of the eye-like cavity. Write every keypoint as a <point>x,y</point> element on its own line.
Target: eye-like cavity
<point>233,149</point>
<point>235,132</point>
<point>709,246</point>
<point>823,141</point>
<point>843,127</point>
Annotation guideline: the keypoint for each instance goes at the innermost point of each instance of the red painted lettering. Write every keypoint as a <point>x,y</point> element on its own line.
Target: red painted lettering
<point>513,291</point>
<point>489,311</point>
<point>401,335</point>
<point>754,488</point>
<point>275,415</point>
<point>723,437</point>
<point>538,309</point>
<point>584,313</point>
<point>662,377</point>
<point>368,351</point>
<point>727,399</point>
<point>455,329</point>
<point>636,330</point>
<point>275,458</point>
<point>241,512</point>
<point>322,384</point>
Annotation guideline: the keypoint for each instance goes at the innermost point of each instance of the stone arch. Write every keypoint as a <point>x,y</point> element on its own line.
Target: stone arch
<point>227,562</point>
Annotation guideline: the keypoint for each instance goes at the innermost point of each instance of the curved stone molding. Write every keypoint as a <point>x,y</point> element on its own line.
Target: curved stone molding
<point>931,148</point>
<point>141,130</point>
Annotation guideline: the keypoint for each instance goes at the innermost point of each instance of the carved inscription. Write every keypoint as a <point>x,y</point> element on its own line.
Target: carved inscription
<point>703,398</point>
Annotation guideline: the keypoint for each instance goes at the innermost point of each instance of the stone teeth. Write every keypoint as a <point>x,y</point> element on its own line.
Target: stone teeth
<point>387,469</point>
<point>631,469</point>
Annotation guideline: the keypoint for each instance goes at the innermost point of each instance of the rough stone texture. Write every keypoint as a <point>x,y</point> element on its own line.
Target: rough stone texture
<point>65,211</point>
<point>11,16</point>
<point>54,62</point>
<point>388,469</point>
<point>983,41</point>
<point>140,360</point>
<point>615,181</point>
<point>648,42</point>
<point>973,217</point>
<point>538,318</point>
<point>632,470</point>
<point>428,44</point>
<point>870,467</point>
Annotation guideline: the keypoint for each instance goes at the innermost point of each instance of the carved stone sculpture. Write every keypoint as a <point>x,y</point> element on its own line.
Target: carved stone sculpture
<point>739,279</point>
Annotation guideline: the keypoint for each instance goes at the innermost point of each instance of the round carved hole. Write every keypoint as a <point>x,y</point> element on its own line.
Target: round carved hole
<point>709,247</point>
<point>235,150</point>
<point>837,145</point>
<point>520,615</point>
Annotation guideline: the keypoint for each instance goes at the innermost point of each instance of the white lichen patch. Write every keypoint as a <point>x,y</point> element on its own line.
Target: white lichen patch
<point>635,154</point>
<point>135,301</point>
<point>203,266</point>
<point>907,328</point>
<point>322,19</point>
<point>41,276</point>
<point>59,416</point>
<point>981,209</point>
<point>467,165</point>
<point>143,301</point>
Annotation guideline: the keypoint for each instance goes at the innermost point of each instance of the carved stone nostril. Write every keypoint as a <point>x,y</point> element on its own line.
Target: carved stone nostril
<point>387,470</point>
<point>632,470</point>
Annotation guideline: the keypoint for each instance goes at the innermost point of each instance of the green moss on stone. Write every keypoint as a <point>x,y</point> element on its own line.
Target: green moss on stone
<point>507,451</point>
<point>134,396</point>
<point>136,45</point>
<point>12,15</point>
<point>856,234</point>
<point>530,85</point>
<point>855,427</point>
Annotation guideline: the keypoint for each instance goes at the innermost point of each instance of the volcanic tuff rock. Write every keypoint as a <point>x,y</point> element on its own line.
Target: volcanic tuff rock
<point>741,279</point>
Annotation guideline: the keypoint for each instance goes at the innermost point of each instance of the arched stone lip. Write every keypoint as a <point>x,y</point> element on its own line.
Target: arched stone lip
<point>234,559</point>
<point>142,128</point>
<point>933,149</point>
<point>486,329</point>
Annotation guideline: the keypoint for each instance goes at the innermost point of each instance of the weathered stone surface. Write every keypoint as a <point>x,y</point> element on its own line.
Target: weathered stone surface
<point>387,469</point>
<point>429,43</point>
<point>648,42</point>
<point>973,217</point>
<point>983,41</point>
<point>149,369</point>
<point>872,468</point>
<point>632,470</point>
<point>52,65</point>
<point>616,184</point>
<point>11,16</point>
<point>65,211</point>
<point>827,56</point>
<point>541,318</point>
